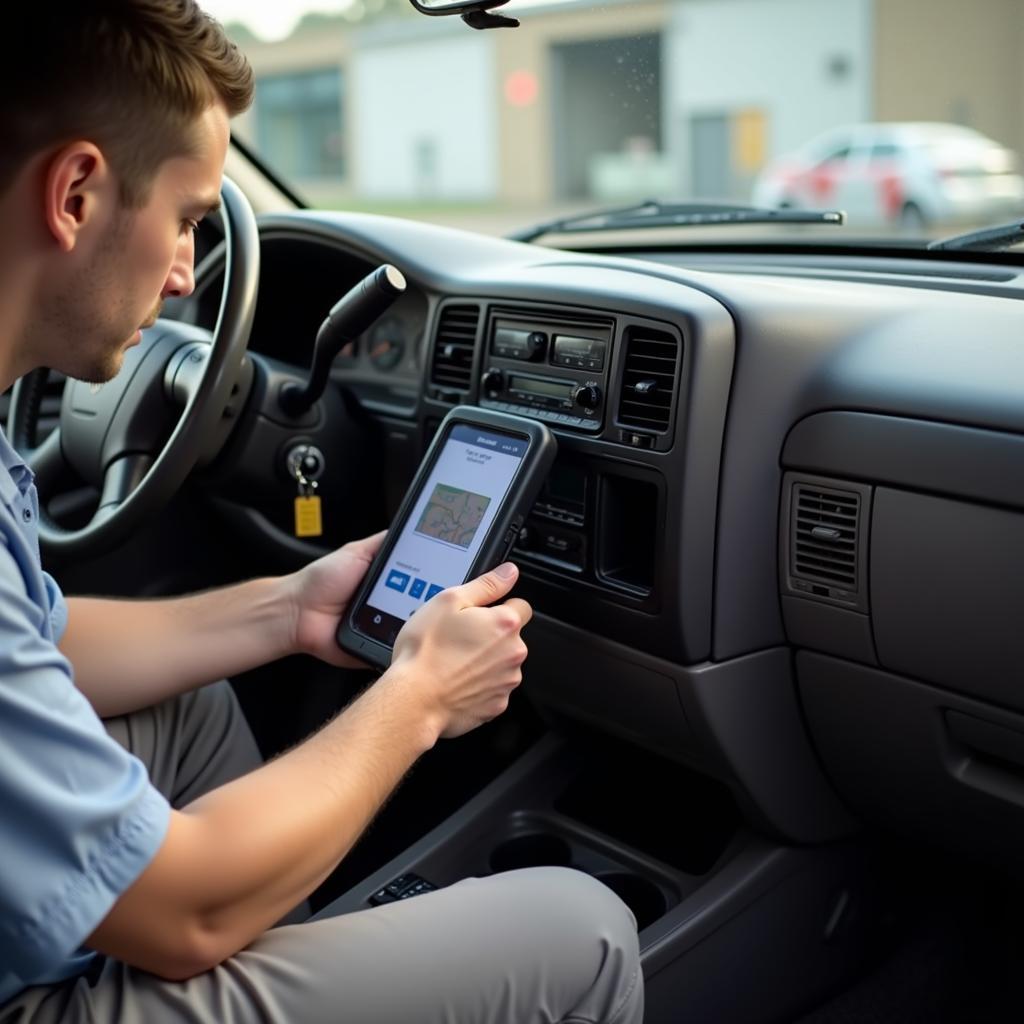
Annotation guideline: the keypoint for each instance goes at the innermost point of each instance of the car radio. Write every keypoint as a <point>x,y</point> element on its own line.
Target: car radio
<point>565,381</point>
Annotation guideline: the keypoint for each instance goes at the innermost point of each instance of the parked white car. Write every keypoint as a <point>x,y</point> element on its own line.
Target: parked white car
<point>908,174</point>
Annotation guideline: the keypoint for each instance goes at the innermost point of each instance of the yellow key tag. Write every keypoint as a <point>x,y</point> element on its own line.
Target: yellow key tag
<point>308,522</point>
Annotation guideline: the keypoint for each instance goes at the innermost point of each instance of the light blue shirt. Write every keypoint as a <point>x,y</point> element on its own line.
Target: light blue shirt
<point>79,819</point>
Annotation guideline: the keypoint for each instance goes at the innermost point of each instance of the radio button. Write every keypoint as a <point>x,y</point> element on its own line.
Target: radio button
<point>587,395</point>
<point>493,381</point>
<point>536,345</point>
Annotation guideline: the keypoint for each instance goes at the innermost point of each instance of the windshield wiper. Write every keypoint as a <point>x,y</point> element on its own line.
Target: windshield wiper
<point>653,214</point>
<point>995,239</point>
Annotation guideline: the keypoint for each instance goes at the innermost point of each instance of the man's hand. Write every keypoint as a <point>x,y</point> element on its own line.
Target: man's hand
<point>320,595</point>
<point>460,658</point>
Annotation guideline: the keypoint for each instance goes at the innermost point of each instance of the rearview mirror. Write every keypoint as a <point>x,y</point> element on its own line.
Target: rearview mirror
<point>476,13</point>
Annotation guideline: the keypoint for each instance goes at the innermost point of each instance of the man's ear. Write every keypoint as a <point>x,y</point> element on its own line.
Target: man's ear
<point>77,186</point>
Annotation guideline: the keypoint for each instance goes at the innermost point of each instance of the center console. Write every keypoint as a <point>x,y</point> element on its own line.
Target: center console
<point>617,388</point>
<point>696,880</point>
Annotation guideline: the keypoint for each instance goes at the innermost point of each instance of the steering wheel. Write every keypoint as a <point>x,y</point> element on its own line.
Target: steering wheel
<point>115,435</point>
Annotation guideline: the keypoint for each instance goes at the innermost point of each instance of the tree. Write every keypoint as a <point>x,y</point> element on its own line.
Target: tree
<point>240,33</point>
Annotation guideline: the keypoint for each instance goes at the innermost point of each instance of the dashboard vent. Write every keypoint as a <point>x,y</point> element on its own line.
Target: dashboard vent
<point>454,345</point>
<point>648,379</point>
<point>824,541</point>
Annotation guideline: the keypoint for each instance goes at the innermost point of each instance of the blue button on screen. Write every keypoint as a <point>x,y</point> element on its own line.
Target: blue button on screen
<point>417,588</point>
<point>397,581</point>
<point>433,589</point>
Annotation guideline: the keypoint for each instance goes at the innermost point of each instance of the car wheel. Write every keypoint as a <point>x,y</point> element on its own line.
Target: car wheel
<point>912,218</point>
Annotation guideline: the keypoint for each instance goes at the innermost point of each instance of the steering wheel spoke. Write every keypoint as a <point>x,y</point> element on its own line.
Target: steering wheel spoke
<point>121,478</point>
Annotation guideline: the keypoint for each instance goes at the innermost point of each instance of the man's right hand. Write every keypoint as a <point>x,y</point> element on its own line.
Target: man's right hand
<point>461,654</point>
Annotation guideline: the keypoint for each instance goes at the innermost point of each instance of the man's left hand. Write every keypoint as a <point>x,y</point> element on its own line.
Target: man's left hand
<point>321,593</point>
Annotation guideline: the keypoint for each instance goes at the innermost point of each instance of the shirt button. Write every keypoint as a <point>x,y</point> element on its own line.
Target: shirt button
<point>26,514</point>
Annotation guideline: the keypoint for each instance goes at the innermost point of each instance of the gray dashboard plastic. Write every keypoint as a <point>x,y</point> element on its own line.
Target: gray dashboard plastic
<point>942,766</point>
<point>942,458</point>
<point>739,721</point>
<point>806,347</point>
<point>947,592</point>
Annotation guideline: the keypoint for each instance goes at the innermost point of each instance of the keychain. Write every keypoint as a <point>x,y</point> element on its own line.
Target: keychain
<point>306,463</point>
<point>308,521</point>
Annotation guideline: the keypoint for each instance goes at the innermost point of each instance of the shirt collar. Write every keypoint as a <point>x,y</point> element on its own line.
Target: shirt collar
<point>16,477</point>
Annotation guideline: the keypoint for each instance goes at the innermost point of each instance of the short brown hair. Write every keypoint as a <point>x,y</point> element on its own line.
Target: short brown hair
<point>130,75</point>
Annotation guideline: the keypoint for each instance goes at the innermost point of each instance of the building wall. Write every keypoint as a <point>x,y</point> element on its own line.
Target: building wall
<point>949,60</point>
<point>526,138</point>
<point>424,125</point>
<point>326,48</point>
<point>816,73</point>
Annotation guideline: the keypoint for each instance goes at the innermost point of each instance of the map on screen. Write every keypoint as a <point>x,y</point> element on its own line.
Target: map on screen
<point>452,515</point>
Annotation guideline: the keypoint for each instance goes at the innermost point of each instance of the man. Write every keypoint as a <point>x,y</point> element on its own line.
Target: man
<point>139,878</point>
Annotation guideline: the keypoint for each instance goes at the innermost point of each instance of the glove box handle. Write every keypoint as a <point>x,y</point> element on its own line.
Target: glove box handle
<point>986,756</point>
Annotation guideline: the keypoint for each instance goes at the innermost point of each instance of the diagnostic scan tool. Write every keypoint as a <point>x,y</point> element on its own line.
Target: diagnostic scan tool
<point>459,518</point>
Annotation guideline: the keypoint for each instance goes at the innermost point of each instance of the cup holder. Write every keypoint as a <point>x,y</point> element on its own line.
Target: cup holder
<point>541,849</point>
<point>644,898</point>
<point>533,850</point>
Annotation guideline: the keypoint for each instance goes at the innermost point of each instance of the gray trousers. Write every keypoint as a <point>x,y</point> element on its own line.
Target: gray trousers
<point>538,945</point>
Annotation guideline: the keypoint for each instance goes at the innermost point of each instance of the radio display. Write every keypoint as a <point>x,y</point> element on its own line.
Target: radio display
<point>585,353</point>
<point>533,386</point>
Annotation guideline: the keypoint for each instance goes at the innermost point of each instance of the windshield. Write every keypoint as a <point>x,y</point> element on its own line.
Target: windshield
<point>906,120</point>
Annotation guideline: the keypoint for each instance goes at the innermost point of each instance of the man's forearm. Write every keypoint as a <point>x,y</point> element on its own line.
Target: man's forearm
<point>130,654</point>
<point>237,859</point>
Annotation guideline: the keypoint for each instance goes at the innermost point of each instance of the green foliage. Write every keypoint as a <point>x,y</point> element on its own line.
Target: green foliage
<point>240,33</point>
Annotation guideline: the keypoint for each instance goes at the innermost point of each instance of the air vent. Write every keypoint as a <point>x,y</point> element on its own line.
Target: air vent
<point>648,380</point>
<point>824,541</point>
<point>454,344</point>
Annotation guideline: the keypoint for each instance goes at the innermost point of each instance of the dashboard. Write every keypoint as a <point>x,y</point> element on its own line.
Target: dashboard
<point>784,538</point>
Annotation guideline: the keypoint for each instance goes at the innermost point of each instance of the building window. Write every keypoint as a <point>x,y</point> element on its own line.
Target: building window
<point>299,123</point>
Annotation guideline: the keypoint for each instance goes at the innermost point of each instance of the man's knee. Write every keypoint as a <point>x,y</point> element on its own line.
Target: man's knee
<point>582,941</point>
<point>578,899</point>
<point>582,920</point>
<point>540,944</point>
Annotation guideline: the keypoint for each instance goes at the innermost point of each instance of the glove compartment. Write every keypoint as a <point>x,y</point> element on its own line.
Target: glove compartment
<point>947,593</point>
<point>939,541</point>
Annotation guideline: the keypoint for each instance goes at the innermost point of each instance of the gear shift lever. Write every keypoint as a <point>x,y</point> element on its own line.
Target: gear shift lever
<point>348,318</point>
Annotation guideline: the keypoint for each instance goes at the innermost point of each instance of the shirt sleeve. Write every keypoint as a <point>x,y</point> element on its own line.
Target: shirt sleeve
<point>58,608</point>
<point>79,819</point>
